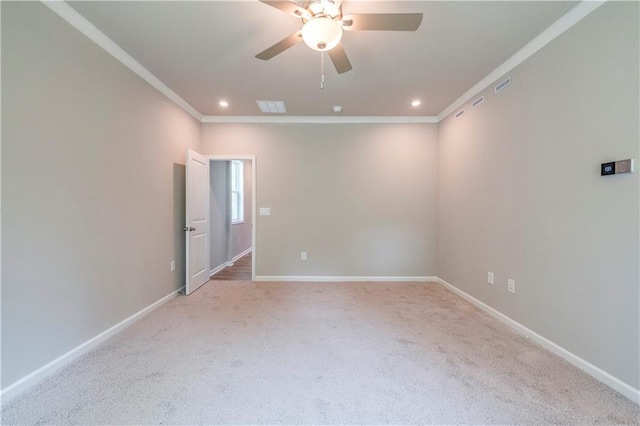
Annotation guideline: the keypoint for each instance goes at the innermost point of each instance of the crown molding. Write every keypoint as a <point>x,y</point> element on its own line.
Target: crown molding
<point>75,19</point>
<point>80,23</point>
<point>568,20</point>
<point>318,119</point>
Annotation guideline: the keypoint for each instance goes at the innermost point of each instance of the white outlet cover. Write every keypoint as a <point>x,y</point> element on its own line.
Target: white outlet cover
<point>173,266</point>
<point>303,255</point>
<point>511,285</point>
<point>265,211</point>
<point>490,278</point>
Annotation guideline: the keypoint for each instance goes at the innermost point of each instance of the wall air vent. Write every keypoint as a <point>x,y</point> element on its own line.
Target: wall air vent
<point>272,107</point>
<point>504,83</point>
<point>459,113</point>
<point>477,102</point>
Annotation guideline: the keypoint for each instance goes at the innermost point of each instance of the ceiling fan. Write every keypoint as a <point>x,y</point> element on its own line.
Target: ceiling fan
<point>323,23</point>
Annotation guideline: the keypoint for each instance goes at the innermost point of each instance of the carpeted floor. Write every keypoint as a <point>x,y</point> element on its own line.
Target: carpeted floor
<point>321,353</point>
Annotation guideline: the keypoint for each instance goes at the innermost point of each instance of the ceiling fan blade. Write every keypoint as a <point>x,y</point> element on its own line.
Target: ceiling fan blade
<point>339,58</point>
<point>382,22</point>
<point>280,46</point>
<point>288,7</point>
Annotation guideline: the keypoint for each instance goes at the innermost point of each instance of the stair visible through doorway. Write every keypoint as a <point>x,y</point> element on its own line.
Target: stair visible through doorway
<point>240,271</point>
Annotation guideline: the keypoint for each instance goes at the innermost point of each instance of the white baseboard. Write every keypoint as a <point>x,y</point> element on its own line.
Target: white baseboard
<point>310,278</point>
<point>36,376</point>
<point>597,373</point>
<point>218,269</point>
<point>243,254</point>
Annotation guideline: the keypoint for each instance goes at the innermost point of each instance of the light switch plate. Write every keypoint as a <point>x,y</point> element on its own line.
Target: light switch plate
<point>625,166</point>
<point>490,278</point>
<point>265,211</point>
<point>617,167</point>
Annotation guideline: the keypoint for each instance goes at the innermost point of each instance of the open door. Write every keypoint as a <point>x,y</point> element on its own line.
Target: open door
<point>197,227</point>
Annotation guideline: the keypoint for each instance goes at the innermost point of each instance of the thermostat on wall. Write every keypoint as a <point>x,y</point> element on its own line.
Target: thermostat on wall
<point>617,167</point>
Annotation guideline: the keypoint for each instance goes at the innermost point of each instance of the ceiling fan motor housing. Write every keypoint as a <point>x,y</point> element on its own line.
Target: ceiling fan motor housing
<point>323,24</point>
<point>325,8</point>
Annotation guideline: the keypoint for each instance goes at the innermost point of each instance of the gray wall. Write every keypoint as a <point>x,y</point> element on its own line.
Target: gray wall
<point>92,189</point>
<point>241,232</point>
<point>360,199</point>
<point>220,227</point>
<point>520,193</point>
<point>93,192</point>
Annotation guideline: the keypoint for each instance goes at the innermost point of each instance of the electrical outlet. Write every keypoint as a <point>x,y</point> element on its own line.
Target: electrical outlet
<point>490,278</point>
<point>511,286</point>
<point>173,265</point>
<point>303,255</point>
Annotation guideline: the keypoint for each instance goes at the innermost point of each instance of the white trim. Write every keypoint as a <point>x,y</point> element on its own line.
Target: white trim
<point>317,119</point>
<point>254,180</point>
<point>597,373</point>
<point>52,367</point>
<point>244,253</point>
<point>80,23</point>
<point>1,199</point>
<point>36,376</point>
<point>230,157</point>
<point>567,21</point>
<point>310,278</point>
<point>218,269</point>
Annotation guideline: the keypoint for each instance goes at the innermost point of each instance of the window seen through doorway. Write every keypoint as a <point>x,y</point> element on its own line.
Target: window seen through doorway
<point>237,206</point>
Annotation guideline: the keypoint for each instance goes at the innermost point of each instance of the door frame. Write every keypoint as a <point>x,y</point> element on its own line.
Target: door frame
<point>254,181</point>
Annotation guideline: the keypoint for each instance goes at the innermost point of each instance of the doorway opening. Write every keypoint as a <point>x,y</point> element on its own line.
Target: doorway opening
<point>209,231</point>
<point>232,201</point>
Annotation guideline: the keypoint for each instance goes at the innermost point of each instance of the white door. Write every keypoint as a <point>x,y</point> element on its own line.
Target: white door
<point>197,228</point>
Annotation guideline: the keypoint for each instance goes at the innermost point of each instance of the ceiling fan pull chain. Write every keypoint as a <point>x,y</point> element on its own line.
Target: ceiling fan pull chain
<point>321,70</point>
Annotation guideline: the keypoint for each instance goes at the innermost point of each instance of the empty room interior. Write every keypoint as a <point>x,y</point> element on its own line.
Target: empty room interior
<point>320,212</point>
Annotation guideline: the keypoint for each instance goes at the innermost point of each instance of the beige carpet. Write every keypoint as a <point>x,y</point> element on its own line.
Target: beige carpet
<point>321,353</point>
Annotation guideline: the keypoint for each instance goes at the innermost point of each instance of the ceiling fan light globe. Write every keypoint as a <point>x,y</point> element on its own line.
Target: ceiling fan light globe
<point>322,34</point>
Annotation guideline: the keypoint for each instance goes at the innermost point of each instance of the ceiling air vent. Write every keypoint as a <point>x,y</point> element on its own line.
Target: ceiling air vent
<point>459,113</point>
<point>504,83</point>
<point>477,102</point>
<point>272,107</point>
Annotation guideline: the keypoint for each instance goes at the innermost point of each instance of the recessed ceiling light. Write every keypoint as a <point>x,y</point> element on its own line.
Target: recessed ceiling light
<point>223,104</point>
<point>415,103</point>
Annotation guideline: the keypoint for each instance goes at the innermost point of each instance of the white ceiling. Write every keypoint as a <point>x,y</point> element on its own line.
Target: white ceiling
<point>204,51</point>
